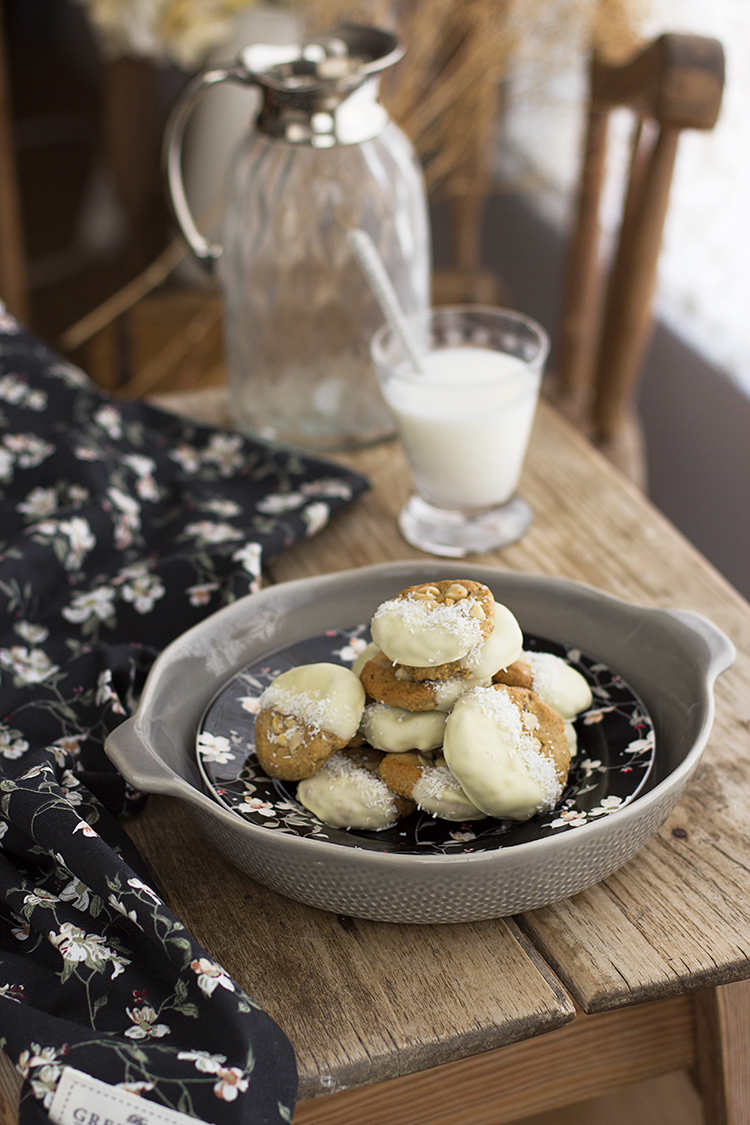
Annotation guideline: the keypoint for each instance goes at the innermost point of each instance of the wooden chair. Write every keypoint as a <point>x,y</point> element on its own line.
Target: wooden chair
<point>673,84</point>
<point>13,280</point>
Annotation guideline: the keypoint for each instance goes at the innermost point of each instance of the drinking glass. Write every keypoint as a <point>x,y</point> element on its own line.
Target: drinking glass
<point>464,420</point>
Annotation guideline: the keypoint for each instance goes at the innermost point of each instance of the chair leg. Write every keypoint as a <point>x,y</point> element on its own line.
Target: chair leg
<point>722,1029</point>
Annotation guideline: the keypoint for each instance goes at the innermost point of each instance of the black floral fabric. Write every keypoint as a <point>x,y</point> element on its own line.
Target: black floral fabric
<point>120,527</point>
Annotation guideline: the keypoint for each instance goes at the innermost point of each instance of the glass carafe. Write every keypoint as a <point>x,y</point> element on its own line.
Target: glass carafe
<point>322,159</point>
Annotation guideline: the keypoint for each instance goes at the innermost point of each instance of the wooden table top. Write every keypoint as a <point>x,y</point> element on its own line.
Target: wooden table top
<point>363,1001</point>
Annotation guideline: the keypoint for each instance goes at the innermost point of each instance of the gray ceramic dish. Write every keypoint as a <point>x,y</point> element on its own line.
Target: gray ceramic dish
<point>670,658</point>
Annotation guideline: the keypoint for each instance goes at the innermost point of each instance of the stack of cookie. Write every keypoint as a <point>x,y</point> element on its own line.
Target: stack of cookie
<point>443,711</point>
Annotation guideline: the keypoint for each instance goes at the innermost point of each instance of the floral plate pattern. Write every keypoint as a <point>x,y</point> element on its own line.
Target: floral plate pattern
<point>616,749</point>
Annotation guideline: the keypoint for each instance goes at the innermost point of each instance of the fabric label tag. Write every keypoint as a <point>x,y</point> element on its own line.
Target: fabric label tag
<point>82,1100</point>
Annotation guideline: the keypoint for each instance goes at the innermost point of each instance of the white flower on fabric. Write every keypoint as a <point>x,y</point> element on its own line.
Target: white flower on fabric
<point>136,1087</point>
<point>210,976</point>
<point>95,603</point>
<point>316,516</point>
<point>30,666</point>
<point>76,946</point>
<point>206,531</point>
<point>110,420</point>
<point>224,508</point>
<point>205,1063</point>
<point>29,449</point>
<point>106,694</point>
<point>145,1026</point>
<point>10,746</point>
<point>122,909</point>
<point>70,744</point>
<point>85,828</point>
<point>7,461</point>
<point>29,631</point>
<point>12,388</point>
<point>277,502</point>
<point>72,376</point>
<point>224,451</point>
<point>77,893</point>
<point>144,468</point>
<point>85,453</point>
<point>39,503</point>
<point>3,828</point>
<point>201,594</point>
<point>138,885</point>
<point>187,458</point>
<point>250,557</point>
<point>39,898</point>
<point>129,520</point>
<point>81,541</point>
<point>215,747</point>
<point>328,487</point>
<point>232,1081</point>
<point>143,591</point>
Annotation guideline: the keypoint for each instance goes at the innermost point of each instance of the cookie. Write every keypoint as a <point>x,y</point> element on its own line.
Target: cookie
<point>347,792</point>
<point>396,730</point>
<point>508,750</point>
<point>386,683</point>
<point>503,646</point>
<point>433,623</point>
<point>305,716</point>
<point>517,674</point>
<point>430,784</point>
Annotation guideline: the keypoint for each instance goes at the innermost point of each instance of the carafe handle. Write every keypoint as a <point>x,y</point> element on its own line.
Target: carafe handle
<point>205,251</point>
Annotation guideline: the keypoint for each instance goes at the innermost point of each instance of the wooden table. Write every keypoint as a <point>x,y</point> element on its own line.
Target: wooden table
<point>480,1024</point>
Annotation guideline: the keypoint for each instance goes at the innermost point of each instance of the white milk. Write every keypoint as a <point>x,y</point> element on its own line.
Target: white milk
<point>465,424</point>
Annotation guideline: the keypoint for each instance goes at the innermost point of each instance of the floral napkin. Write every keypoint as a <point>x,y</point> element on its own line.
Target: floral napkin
<point>120,527</point>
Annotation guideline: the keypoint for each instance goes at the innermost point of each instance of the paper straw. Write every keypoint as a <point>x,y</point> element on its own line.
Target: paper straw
<point>373,268</point>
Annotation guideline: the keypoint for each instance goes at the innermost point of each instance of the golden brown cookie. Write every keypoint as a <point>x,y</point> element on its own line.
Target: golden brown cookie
<point>388,684</point>
<point>401,772</point>
<point>288,748</point>
<point>517,674</point>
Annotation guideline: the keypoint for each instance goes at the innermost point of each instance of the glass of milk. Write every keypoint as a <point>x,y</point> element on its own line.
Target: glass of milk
<point>464,419</point>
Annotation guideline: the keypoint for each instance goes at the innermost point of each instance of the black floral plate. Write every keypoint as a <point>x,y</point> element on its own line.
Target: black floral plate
<point>613,764</point>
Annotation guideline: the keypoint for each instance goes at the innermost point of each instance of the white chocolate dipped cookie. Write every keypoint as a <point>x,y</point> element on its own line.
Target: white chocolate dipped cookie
<point>430,784</point>
<point>347,792</point>
<point>396,730</point>
<point>508,750</point>
<point>434,623</point>
<point>305,715</point>
<point>553,679</point>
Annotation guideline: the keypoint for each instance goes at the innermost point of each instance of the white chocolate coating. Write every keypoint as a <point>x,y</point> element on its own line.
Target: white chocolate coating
<point>347,795</point>
<point>572,736</point>
<point>558,684</point>
<point>394,730</point>
<point>448,691</point>
<point>410,633</point>
<point>492,751</point>
<point>323,696</point>
<point>438,793</point>
<point>502,647</point>
<point>365,655</point>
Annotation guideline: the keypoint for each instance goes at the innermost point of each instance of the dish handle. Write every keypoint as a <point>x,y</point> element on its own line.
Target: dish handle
<point>137,763</point>
<point>721,651</point>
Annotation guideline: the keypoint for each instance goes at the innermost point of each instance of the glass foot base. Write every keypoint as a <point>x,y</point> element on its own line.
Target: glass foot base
<point>455,534</point>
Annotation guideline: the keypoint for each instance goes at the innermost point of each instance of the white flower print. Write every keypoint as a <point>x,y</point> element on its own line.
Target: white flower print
<point>30,666</point>
<point>77,893</point>
<point>129,519</point>
<point>122,909</point>
<point>39,503</point>
<point>214,747</point>
<point>7,462</point>
<point>606,806</point>
<point>316,516</point>
<point>210,976</point>
<point>139,885</point>
<point>206,531</point>
<point>29,449</point>
<point>205,1063</point>
<point>250,703</point>
<point>13,389</point>
<point>81,541</point>
<point>143,590</point>
<point>3,828</point>
<point>145,1027</point>
<point>144,469</point>
<point>224,508</point>
<point>328,487</point>
<point>106,694</point>
<point>277,502</point>
<point>258,805</point>
<point>110,420</point>
<point>85,828</point>
<point>225,451</point>
<point>72,376</point>
<point>33,634</point>
<point>186,457</point>
<point>78,947</point>
<point>201,594</point>
<point>96,603</point>
<point>250,556</point>
<point>349,653</point>
<point>12,745</point>
<point>232,1081</point>
<point>573,818</point>
<point>47,1067</point>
